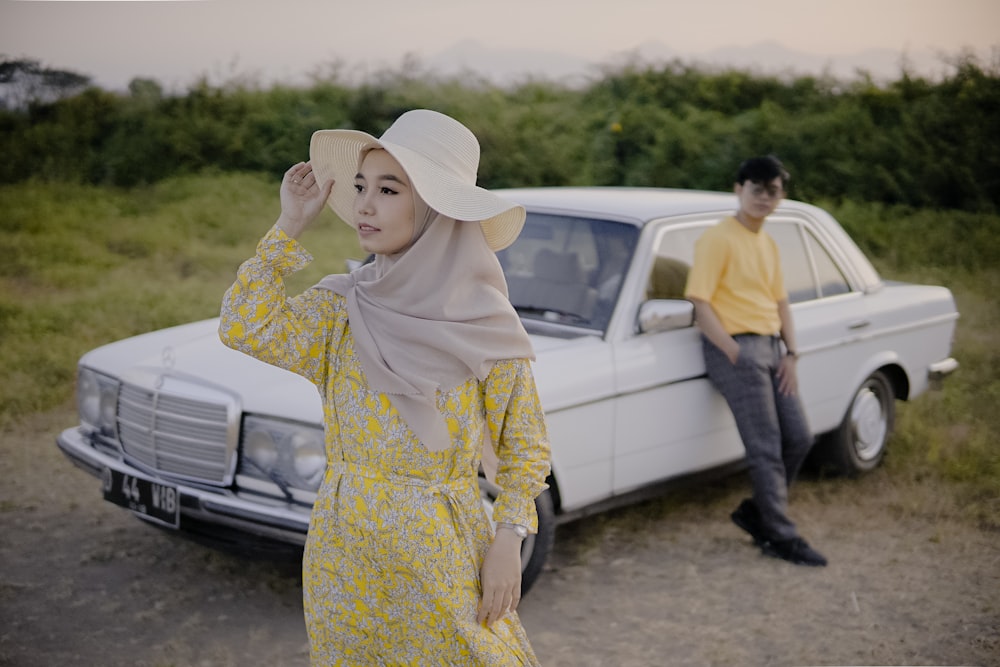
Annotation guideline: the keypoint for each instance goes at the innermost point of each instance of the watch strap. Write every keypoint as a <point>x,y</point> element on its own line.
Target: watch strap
<point>519,530</point>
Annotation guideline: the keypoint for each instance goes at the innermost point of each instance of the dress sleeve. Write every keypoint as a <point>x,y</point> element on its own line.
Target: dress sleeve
<point>259,320</point>
<point>517,431</point>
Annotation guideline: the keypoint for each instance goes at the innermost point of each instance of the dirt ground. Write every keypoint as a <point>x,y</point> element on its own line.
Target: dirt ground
<point>667,582</point>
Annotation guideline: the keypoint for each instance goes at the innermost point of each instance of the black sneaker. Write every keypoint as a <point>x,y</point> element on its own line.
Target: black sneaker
<point>747,517</point>
<point>796,550</point>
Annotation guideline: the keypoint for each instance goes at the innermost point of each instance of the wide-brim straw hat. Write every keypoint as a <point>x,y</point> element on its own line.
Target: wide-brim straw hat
<point>441,158</point>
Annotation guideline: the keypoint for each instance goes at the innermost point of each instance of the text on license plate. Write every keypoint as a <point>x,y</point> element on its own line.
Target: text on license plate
<point>159,502</point>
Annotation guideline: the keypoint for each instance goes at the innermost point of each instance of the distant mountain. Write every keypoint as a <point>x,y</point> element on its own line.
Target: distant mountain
<point>773,58</point>
<point>505,66</point>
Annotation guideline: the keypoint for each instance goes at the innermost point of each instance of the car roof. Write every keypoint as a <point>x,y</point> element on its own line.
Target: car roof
<point>637,205</point>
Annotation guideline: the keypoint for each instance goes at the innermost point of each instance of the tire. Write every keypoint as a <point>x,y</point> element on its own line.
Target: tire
<point>536,548</point>
<point>858,445</point>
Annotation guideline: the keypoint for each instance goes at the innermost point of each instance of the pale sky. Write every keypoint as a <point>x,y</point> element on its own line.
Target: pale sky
<point>175,41</point>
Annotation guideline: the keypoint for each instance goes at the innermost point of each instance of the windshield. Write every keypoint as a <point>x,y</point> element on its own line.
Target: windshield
<point>568,270</point>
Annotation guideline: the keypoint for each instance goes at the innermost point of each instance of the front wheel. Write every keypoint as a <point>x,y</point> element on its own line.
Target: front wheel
<point>859,443</point>
<point>535,548</point>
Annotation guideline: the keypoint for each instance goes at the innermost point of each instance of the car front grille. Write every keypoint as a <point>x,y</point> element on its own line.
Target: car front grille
<point>178,429</point>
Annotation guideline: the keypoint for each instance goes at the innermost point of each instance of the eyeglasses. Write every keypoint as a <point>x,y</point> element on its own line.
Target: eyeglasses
<point>772,191</point>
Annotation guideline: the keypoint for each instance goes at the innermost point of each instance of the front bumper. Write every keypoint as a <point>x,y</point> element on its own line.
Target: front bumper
<point>205,509</point>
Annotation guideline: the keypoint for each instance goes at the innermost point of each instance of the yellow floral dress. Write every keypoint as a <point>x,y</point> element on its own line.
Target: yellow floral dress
<point>398,532</point>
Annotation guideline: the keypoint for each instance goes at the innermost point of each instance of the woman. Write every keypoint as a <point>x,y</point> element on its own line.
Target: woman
<point>420,359</point>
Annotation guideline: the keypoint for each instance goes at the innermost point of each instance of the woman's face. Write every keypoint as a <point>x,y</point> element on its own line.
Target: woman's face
<point>383,206</point>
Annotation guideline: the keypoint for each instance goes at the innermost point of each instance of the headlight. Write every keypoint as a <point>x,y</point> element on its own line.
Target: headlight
<point>309,459</point>
<point>284,452</point>
<point>97,400</point>
<point>260,448</point>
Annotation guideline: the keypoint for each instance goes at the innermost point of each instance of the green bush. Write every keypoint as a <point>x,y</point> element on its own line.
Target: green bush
<point>912,141</point>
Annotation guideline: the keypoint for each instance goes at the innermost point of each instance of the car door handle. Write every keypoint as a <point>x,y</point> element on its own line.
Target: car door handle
<point>858,324</point>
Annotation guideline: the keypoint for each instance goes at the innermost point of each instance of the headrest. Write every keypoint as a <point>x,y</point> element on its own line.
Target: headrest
<point>561,267</point>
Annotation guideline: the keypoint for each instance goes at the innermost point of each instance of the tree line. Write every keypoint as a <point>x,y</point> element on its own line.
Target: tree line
<point>911,141</point>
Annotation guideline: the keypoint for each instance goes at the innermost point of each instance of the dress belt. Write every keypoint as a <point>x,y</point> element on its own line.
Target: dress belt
<point>450,490</point>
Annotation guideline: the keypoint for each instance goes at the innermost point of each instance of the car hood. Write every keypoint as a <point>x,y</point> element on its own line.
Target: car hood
<point>194,351</point>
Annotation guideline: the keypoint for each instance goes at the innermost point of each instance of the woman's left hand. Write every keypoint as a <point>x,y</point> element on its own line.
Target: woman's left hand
<point>501,577</point>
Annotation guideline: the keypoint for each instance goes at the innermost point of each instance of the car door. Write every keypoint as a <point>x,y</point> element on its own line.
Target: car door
<point>830,317</point>
<point>669,420</point>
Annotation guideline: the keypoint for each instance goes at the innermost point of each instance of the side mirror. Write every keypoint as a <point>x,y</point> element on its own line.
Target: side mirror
<point>657,315</point>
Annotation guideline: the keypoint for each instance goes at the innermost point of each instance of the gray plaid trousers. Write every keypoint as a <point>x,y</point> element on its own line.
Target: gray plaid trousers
<point>772,426</point>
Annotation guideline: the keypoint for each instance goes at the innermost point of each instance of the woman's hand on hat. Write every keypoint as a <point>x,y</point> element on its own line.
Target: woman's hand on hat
<point>302,199</point>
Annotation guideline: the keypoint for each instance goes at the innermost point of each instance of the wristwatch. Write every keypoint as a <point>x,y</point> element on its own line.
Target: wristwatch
<point>519,530</point>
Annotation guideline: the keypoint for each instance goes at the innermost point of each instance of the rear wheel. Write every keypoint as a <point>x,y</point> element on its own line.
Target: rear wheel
<point>859,443</point>
<point>536,548</point>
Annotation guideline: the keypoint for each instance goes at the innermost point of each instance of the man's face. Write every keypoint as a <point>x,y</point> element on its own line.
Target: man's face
<point>758,200</point>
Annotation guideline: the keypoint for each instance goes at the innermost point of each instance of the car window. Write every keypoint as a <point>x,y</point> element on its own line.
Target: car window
<point>800,281</point>
<point>567,269</point>
<point>810,272</point>
<point>831,278</point>
<point>674,255</point>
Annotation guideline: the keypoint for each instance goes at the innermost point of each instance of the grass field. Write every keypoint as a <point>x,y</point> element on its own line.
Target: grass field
<point>88,265</point>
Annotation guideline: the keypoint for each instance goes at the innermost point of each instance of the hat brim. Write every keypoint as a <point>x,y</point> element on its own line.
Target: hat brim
<point>334,154</point>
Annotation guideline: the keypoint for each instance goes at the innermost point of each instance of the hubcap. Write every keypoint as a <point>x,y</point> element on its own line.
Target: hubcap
<point>868,419</point>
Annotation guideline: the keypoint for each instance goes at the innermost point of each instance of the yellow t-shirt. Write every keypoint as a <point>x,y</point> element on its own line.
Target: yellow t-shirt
<point>738,272</point>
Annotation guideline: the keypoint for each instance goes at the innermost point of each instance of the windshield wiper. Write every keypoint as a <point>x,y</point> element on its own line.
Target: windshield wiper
<point>538,310</point>
<point>275,477</point>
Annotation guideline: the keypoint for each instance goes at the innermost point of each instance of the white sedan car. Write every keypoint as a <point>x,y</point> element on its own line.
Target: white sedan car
<point>190,435</point>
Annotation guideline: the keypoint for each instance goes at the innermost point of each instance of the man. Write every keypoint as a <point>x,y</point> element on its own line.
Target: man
<point>741,307</point>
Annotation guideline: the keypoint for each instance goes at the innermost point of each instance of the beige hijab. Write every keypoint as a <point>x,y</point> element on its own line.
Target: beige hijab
<point>430,317</point>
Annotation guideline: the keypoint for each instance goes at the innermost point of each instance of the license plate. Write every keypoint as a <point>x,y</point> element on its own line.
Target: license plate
<point>159,502</point>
